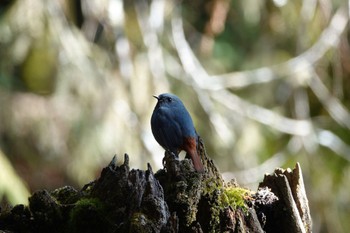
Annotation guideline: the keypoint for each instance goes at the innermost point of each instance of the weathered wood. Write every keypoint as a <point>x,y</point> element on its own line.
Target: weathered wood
<point>174,199</point>
<point>291,212</point>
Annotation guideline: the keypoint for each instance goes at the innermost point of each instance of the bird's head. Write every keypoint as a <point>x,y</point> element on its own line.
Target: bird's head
<point>168,100</point>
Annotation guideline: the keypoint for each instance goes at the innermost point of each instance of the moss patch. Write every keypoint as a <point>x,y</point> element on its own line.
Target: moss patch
<point>217,197</point>
<point>140,223</point>
<point>88,215</point>
<point>235,197</point>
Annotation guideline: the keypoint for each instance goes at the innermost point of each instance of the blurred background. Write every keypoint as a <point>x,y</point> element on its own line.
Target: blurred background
<point>266,82</point>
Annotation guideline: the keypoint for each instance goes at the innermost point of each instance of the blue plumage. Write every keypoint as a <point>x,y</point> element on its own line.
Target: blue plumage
<point>173,128</point>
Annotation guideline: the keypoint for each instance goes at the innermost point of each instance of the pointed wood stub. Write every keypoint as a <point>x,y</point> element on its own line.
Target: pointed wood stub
<point>291,213</point>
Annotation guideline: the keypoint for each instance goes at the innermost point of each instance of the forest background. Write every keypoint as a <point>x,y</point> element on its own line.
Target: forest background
<point>266,82</point>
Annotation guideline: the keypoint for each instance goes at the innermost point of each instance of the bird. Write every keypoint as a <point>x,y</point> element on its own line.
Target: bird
<point>173,128</point>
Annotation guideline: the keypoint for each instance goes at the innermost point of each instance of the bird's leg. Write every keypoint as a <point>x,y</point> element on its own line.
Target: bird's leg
<point>171,163</point>
<point>175,155</point>
<point>169,155</point>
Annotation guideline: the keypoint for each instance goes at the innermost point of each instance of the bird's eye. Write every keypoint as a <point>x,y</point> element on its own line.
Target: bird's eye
<point>169,99</point>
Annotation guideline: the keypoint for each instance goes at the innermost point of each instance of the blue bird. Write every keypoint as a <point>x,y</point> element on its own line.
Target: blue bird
<point>173,128</point>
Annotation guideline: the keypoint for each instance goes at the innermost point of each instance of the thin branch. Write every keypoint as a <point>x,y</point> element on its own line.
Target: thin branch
<point>328,39</point>
<point>328,139</point>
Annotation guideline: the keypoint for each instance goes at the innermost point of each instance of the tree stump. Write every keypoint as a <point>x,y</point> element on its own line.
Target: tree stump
<point>174,199</point>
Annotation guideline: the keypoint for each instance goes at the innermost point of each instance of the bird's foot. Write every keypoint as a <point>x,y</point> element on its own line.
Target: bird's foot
<point>171,162</point>
<point>168,156</point>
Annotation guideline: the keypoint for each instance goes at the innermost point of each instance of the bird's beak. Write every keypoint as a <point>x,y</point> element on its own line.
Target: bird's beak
<point>156,97</point>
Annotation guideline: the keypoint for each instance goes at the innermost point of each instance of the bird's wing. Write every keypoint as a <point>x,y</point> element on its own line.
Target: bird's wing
<point>167,131</point>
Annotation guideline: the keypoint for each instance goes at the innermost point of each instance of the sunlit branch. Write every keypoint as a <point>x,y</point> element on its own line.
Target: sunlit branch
<point>328,39</point>
<point>263,115</point>
<point>193,67</point>
<point>149,24</point>
<point>328,139</point>
<point>337,111</point>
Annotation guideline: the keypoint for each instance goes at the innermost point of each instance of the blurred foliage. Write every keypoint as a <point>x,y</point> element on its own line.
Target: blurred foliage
<point>267,84</point>
<point>12,187</point>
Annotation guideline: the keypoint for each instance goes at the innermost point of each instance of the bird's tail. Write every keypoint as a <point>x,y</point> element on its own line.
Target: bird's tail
<point>190,146</point>
<point>197,163</point>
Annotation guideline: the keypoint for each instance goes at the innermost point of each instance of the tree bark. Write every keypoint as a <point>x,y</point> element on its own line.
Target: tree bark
<point>174,199</point>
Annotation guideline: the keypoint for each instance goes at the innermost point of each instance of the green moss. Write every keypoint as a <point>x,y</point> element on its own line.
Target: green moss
<point>235,197</point>
<point>141,223</point>
<point>212,185</point>
<point>221,196</point>
<point>89,202</point>
<point>88,215</point>
<point>213,190</point>
<point>182,194</point>
<point>65,195</point>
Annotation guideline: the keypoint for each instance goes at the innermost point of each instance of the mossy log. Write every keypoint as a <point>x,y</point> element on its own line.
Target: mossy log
<point>174,199</point>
